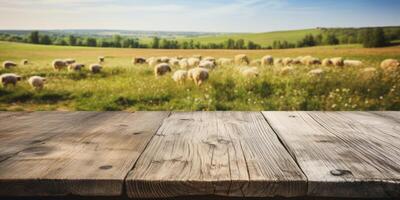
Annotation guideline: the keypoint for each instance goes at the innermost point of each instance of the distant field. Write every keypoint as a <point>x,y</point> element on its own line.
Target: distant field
<point>123,86</point>
<point>264,39</point>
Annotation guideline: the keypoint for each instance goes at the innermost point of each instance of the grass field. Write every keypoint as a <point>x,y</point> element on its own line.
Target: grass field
<point>123,86</point>
<point>263,39</point>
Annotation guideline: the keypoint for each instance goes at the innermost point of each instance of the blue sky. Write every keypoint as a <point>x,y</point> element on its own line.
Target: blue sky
<point>197,15</point>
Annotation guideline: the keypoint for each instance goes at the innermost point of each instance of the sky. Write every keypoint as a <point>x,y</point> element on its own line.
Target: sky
<point>197,15</point>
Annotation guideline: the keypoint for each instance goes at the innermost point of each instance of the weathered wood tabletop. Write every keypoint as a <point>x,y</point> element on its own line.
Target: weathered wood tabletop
<point>232,154</point>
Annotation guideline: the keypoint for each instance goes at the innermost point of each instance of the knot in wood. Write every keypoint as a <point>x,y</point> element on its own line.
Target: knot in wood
<point>340,172</point>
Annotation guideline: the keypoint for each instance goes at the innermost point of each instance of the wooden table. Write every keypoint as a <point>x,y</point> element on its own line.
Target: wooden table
<point>231,154</point>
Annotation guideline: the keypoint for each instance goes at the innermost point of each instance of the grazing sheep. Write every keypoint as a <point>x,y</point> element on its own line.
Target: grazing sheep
<point>297,61</point>
<point>75,67</point>
<point>278,62</point>
<point>180,76</point>
<point>153,61</point>
<point>309,60</point>
<point>161,69</point>
<point>242,59</point>
<point>184,63</point>
<point>138,60</point>
<point>337,62</point>
<point>193,62</point>
<point>24,62</point>
<point>326,62</point>
<point>95,68</point>
<point>59,64</point>
<point>390,65</point>
<point>211,59</point>
<point>37,82</point>
<point>249,72</point>
<point>9,64</point>
<point>368,73</point>
<point>101,59</point>
<point>164,59</point>
<point>316,72</point>
<point>287,61</point>
<point>224,61</point>
<point>207,64</point>
<point>353,63</point>
<point>197,56</point>
<point>286,70</point>
<point>267,60</point>
<point>9,78</point>
<point>174,62</point>
<point>198,75</point>
<point>69,61</point>
<point>256,62</point>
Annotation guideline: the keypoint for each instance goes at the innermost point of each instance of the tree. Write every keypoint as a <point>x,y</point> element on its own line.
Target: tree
<point>91,42</point>
<point>156,43</point>
<point>117,41</point>
<point>239,44</point>
<point>71,40</point>
<point>374,38</point>
<point>45,39</point>
<point>331,39</point>
<point>34,37</point>
<point>229,44</point>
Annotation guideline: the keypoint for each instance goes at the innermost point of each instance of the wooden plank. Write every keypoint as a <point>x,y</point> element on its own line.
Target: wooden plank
<point>215,153</point>
<point>343,154</point>
<point>88,156</point>
<point>393,115</point>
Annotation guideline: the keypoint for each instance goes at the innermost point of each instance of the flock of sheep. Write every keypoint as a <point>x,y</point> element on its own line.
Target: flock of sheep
<point>197,68</point>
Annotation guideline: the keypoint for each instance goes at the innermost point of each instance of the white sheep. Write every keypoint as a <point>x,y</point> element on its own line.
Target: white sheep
<point>197,56</point>
<point>267,60</point>
<point>69,61</point>
<point>37,82</point>
<point>9,78</point>
<point>153,61</point>
<point>250,72</point>
<point>287,61</point>
<point>173,62</point>
<point>138,60</point>
<point>184,63</point>
<point>278,62</point>
<point>161,69</point>
<point>337,62</point>
<point>193,62</point>
<point>326,62</point>
<point>286,70</point>
<point>207,64</point>
<point>242,59</point>
<point>256,62</point>
<point>316,72</point>
<point>180,76</point>
<point>309,60</point>
<point>353,63</point>
<point>209,58</point>
<point>390,65</point>
<point>296,61</point>
<point>198,75</point>
<point>164,59</point>
<point>9,64</point>
<point>59,64</point>
<point>368,73</point>
<point>95,68</point>
<point>75,67</point>
<point>224,61</point>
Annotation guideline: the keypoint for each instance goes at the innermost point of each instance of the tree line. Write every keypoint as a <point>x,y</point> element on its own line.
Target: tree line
<point>369,37</point>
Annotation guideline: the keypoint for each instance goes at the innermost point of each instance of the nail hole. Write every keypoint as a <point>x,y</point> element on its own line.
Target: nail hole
<point>105,167</point>
<point>292,116</point>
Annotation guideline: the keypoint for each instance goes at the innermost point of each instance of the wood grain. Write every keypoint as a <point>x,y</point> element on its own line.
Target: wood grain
<point>78,153</point>
<point>343,154</point>
<point>215,153</point>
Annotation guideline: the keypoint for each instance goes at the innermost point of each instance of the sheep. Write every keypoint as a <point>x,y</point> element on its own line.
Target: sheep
<point>197,56</point>
<point>75,67</point>
<point>249,72</point>
<point>9,64</point>
<point>174,62</point>
<point>316,72</point>
<point>198,75</point>
<point>69,61</point>
<point>180,76</point>
<point>24,62</point>
<point>95,68</point>
<point>161,69</point>
<point>297,61</point>
<point>193,62</point>
<point>224,61</point>
<point>101,59</point>
<point>278,62</point>
<point>138,60</point>
<point>37,82</point>
<point>326,62</point>
<point>9,78</point>
<point>59,64</point>
<point>242,59</point>
<point>207,64</point>
<point>390,65</point>
<point>153,61</point>
<point>337,62</point>
<point>287,61</point>
<point>267,60</point>
<point>353,63</point>
<point>368,73</point>
<point>164,59</point>
<point>184,63</point>
<point>286,70</point>
<point>309,60</point>
<point>256,62</point>
<point>211,59</point>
